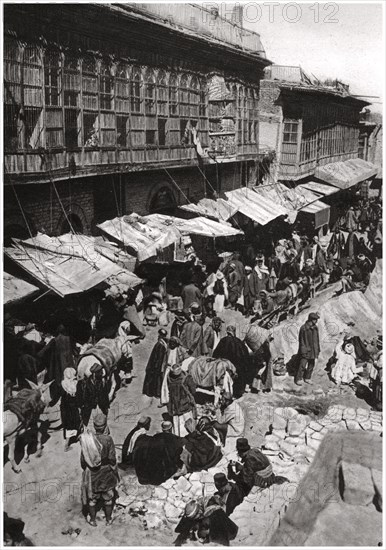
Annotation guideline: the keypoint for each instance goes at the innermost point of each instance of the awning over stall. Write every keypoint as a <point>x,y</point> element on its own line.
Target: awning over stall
<point>69,264</point>
<point>345,174</point>
<point>219,209</point>
<point>320,189</point>
<point>147,235</point>
<point>257,207</point>
<point>15,289</point>
<point>199,226</point>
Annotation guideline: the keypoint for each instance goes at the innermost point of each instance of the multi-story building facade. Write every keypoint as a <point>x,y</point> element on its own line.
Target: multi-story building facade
<point>308,125</point>
<point>111,109</point>
<point>312,130</point>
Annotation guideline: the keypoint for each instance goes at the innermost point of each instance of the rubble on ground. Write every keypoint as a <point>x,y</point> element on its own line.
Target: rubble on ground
<point>291,443</point>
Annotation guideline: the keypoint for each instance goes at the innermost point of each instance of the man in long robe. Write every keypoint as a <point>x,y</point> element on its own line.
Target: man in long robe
<point>250,290</point>
<point>156,458</point>
<point>202,446</point>
<point>309,349</point>
<point>98,483</point>
<point>142,427</point>
<point>190,294</point>
<point>232,348</point>
<point>156,366</point>
<point>56,357</point>
<point>212,335</point>
<point>192,337</point>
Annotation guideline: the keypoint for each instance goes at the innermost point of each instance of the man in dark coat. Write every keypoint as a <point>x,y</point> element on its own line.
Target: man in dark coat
<point>232,348</point>
<point>250,290</point>
<point>142,427</point>
<point>156,458</point>
<point>192,336</point>
<point>178,324</point>
<point>190,294</point>
<point>156,366</point>
<point>93,393</point>
<point>255,469</point>
<point>309,349</point>
<point>55,357</point>
<point>202,447</point>
<point>212,335</point>
<point>206,520</point>
<point>230,493</point>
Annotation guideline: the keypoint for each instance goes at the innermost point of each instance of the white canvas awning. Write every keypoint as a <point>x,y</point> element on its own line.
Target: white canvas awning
<point>69,264</point>
<point>345,174</point>
<point>15,289</point>
<point>255,206</point>
<point>147,235</point>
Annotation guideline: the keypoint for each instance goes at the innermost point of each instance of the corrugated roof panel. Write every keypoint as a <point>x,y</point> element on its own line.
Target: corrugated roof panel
<point>255,206</point>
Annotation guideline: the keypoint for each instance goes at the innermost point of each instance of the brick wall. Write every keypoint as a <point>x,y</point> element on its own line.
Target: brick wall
<point>97,199</point>
<point>189,185</point>
<point>42,207</point>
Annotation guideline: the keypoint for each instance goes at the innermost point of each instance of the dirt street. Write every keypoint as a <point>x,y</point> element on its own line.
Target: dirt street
<point>46,494</point>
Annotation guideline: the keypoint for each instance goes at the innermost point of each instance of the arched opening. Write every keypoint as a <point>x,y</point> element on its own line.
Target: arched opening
<point>75,222</point>
<point>163,202</point>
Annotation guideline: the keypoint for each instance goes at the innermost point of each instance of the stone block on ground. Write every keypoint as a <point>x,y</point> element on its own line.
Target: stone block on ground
<point>195,476</point>
<point>315,426</point>
<point>358,488</point>
<point>313,443</point>
<point>182,485</point>
<point>271,442</point>
<point>376,427</point>
<point>363,414</point>
<point>279,419</point>
<point>318,436</point>
<point>155,506</point>
<point>364,424</point>
<point>349,414</point>
<point>296,426</point>
<point>172,513</point>
<point>352,425</point>
<point>160,493</point>
<point>280,434</point>
<point>378,487</point>
<point>169,483</point>
<point>287,448</point>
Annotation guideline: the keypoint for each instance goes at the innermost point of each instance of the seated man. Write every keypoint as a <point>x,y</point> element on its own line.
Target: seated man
<point>142,427</point>
<point>205,520</point>
<point>202,448</point>
<point>156,458</point>
<point>230,420</point>
<point>254,469</point>
<point>230,493</point>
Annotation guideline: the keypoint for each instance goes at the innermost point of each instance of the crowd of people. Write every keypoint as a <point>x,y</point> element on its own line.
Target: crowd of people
<point>198,370</point>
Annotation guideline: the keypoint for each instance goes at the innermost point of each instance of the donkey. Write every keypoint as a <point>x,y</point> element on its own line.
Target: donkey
<point>24,421</point>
